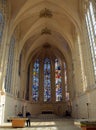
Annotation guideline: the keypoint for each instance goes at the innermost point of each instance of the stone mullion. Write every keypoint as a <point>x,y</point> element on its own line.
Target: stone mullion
<point>41,86</point>
<point>30,82</point>
<point>53,95</point>
<point>63,80</point>
<point>88,59</point>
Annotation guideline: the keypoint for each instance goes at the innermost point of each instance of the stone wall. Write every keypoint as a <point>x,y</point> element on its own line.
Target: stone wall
<point>13,106</point>
<point>80,107</point>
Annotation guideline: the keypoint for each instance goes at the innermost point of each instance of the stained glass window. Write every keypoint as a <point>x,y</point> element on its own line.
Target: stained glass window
<point>46,77</point>
<point>1,26</point>
<point>10,65</point>
<point>47,80</point>
<point>58,80</point>
<point>35,86</point>
<point>93,12</point>
<point>91,30</point>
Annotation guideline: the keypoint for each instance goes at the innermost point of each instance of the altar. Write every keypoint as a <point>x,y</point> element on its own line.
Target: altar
<point>18,122</point>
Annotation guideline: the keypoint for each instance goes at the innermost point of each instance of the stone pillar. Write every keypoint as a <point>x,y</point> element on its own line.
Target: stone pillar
<point>13,83</point>
<point>78,66</point>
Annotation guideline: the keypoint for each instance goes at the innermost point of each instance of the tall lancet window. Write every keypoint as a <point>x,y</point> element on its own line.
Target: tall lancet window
<point>35,86</point>
<point>8,77</point>
<point>91,30</point>
<point>58,80</point>
<point>93,15</point>
<point>47,80</point>
<point>1,25</point>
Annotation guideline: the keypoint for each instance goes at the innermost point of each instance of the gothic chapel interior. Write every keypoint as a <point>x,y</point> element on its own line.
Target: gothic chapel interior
<point>48,57</point>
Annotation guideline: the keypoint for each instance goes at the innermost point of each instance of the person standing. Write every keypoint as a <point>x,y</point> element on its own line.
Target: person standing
<point>28,115</point>
<point>20,114</point>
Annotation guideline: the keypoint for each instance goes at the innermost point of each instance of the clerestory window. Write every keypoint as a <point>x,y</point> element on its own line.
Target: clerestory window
<point>91,29</point>
<point>1,26</point>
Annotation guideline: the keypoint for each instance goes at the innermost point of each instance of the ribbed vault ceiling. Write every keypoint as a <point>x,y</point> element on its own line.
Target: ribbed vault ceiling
<point>58,30</point>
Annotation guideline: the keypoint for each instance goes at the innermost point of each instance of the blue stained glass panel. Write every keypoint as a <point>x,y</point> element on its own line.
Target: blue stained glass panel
<point>58,80</point>
<point>47,80</point>
<point>35,86</point>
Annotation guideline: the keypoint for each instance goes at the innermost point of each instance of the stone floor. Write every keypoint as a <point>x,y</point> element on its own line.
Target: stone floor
<point>58,124</point>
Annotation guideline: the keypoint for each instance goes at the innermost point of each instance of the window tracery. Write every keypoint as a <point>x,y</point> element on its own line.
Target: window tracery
<point>35,86</point>
<point>58,80</point>
<point>8,77</point>
<point>45,81</point>
<point>91,29</point>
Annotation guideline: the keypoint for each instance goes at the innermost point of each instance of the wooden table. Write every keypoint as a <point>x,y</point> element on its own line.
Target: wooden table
<point>88,127</point>
<point>18,122</point>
